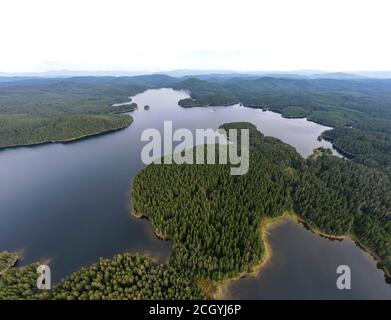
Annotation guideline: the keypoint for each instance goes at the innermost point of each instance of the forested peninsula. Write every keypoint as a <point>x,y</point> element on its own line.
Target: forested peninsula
<point>40,110</point>
<point>359,110</point>
<point>215,219</point>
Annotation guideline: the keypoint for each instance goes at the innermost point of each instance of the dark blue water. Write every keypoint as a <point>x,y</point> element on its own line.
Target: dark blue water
<point>303,266</point>
<point>70,203</point>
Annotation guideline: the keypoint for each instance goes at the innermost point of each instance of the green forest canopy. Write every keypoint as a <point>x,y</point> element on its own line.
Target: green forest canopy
<point>359,110</point>
<point>213,218</point>
<point>333,195</point>
<point>123,277</point>
<point>41,110</point>
<point>214,221</point>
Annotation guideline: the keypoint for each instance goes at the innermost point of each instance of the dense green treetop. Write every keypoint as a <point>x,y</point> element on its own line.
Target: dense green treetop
<point>7,260</point>
<point>214,221</point>
<point>130,277</point>
<point>40,110</point>
<point>354,107</point>
<point>213,217</point>
<point>204,93</point>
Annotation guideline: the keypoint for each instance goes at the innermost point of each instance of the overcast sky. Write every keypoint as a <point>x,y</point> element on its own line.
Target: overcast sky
<point>147,35</point>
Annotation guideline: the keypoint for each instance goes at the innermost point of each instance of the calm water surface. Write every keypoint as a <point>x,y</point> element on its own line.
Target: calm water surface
<point>70,203</point>
<point>303,266</point>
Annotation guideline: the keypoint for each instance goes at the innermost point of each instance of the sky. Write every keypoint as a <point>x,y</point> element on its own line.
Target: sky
<point>156,35</point>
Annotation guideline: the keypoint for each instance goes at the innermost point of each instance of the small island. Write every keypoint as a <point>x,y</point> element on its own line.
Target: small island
<point>123,108</point>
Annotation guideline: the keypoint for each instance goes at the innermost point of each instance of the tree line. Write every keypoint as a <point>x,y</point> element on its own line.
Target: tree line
<point>214,221</point>
<point>124,277</point>
<point>213,218</point>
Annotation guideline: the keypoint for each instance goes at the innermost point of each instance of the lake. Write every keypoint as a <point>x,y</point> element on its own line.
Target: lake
<point>303,266</point>
<point>70,203</point>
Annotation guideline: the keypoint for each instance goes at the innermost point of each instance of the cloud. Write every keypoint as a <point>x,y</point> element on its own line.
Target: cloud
<point>160,35</point>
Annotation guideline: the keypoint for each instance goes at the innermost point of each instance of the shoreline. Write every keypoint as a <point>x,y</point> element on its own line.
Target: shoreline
<point>11,263</point>
<point>352,237</point>
<point>70,140</point>
<point>307,117</point>
<point>135,215</point>
<point>158,234</point>
<point>343,152</point>
<point>219,290</point>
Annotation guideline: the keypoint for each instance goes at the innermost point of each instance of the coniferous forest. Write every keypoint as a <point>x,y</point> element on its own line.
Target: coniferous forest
<point>123,277</point>
<point>214,221</point>
<point>203,150</point>
<point>214,218</point>
<point>359,110</point>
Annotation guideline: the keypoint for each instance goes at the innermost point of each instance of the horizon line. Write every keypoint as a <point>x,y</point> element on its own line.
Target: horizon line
<point>184,70</point>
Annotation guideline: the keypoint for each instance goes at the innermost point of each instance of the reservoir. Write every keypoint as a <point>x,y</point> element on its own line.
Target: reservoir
<point>69,204</point>
<point>303,266</point>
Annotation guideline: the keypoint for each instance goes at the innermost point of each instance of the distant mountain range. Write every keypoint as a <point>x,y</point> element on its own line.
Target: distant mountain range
<point>206,74</point>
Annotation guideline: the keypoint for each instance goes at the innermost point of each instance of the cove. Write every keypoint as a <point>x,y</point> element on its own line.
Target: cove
<point>303,264</point>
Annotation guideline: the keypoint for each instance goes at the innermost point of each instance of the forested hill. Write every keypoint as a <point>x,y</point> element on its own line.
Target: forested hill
<point>205,93</point>
<point>214,218</point>
<point>358,109</point>
<point>37,109</point>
